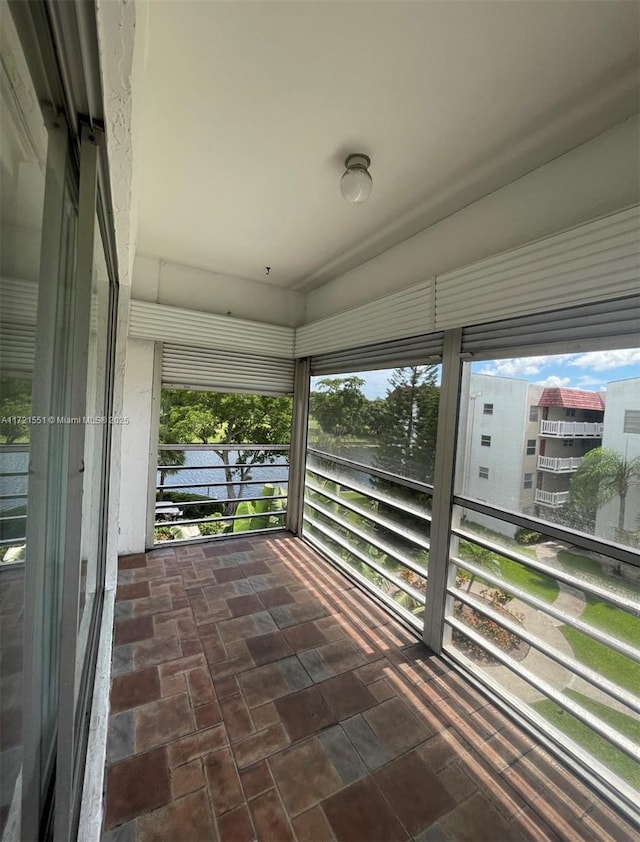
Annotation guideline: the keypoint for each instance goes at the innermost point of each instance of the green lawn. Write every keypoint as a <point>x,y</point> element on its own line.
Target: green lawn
<point>599,612</point>
<point>617,622</point>
<point>596,745</point>
<point>602,659</point>
<point>514,573</point>
<point>537,584</point>
<point>574,563</point>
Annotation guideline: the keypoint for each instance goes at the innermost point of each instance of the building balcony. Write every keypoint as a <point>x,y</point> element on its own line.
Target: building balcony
<point>243,659</point>
<point>559,464</point>
<point>259,695</point>
<point>571,429</point>
<point>553,499</point>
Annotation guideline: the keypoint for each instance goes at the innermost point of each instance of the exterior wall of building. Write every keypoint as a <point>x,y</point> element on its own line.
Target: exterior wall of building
<point>505,427</point>
<point>531,420</point>
<point>622,396</point>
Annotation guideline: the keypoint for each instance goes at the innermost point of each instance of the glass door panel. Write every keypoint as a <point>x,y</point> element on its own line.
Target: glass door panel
<point>23,153</point>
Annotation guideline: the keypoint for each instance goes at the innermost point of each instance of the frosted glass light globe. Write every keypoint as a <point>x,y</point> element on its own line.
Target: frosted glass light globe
<point>356,184</point>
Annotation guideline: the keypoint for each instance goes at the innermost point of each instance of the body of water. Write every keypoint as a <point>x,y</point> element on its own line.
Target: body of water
<point>13,462</point>
<point>202,478</point>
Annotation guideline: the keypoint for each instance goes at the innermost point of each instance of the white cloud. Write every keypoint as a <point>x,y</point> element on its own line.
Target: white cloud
<point>604,360</point>
<point>522,366</point>
<point>588,382</point>
<point>514,368</point>
<point>554,380</point>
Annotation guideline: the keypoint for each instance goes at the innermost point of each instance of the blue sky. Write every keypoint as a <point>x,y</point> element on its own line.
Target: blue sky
<point>591,370</point>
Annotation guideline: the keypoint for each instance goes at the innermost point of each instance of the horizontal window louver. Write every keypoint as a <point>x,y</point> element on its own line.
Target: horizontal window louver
<point>401,314</point>
<point>17,350</point>
<point>593,262</point>
<point>632,421</point>
<point>225,371</point>
<point>413,351</point>
<point>18,313</point>
<point>207,330</point>
<point>619,320</point>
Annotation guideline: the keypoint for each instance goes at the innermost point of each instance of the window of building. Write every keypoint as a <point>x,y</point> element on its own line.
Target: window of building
<point>528,481</point>
<point>533,413</point>
<point>483,473</point>
<point>487,409</point>
<point>531,446</point>
<point>568,442</point>
<point>485,441</point>
<point>631,421</point>
<point>570,413</point>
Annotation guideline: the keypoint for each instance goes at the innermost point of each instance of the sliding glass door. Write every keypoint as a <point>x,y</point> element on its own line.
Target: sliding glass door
<point>57,330</point>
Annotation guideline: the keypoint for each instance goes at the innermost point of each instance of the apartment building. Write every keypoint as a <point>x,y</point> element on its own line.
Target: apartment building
<point>621,433</point>
<point>571,424</point>
<point>530,440</point>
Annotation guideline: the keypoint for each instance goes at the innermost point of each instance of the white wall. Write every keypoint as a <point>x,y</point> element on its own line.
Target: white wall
<point>594,179</point>
<point>621,395</point>
<point>196,289</point>
<point>504,456</point>
<point>136,440</point>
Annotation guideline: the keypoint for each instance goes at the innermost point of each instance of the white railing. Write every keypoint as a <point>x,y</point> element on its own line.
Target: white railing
<point>571,429</point>
<point>551,498</point>
<point>585,686</point>
<point>220,496</point>
<point>374,526</point>
<point>559,464</point>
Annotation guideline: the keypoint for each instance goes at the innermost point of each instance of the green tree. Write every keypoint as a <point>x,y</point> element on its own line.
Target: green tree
<point>603,476</point>
<point>217,418</point>
<point>375,415</point>
<point>170,459</point>
<point>340,407</point>
<point>407,442</point>
<point>408,434</point>
<point>15,401</point>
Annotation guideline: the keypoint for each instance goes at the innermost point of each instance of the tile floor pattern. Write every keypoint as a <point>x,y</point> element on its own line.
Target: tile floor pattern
<point>257,695</point>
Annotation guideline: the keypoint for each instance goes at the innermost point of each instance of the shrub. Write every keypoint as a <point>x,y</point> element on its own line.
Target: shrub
<point>528,536</point>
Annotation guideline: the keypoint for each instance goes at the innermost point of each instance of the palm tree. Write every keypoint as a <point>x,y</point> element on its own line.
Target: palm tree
<point>604,476</point>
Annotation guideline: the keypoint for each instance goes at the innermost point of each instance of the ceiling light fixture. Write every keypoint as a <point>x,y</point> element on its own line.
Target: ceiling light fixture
<point>356,183</point>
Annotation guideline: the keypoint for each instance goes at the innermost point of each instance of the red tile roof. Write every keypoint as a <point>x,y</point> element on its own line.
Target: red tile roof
<point>571,399</point>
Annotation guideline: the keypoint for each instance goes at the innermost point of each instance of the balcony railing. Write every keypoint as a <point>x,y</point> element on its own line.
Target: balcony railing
<point>558,637</point>
<point>231,489</point>
<point>571,429</point>
<point>372,524</point>
<point>14,473</point>
<point>553,499</point>
<point>559,464</point>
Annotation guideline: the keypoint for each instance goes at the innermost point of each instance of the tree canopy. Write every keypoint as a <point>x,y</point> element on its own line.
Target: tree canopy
<point>408,435</point>
<point>15,402</point>
<point>340,407</point>
<point>603,476</point>
<point>189,417</point>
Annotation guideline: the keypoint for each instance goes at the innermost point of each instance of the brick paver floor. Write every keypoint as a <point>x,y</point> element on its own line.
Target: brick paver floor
<point>258,695</point>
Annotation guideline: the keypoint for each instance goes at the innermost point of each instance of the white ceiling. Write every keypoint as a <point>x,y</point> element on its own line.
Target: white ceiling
<point>248,109</point>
